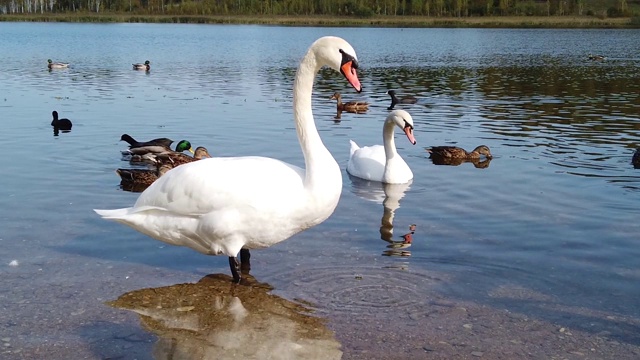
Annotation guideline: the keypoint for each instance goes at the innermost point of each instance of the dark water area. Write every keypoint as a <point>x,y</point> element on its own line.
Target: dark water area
<point>548,228</point>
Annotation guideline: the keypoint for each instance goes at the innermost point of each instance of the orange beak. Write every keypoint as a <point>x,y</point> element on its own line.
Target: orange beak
<point>351,75</point>
<point>408,130</point>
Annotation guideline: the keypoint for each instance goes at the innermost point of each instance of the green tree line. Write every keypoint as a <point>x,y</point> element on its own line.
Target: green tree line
<point>358,8</point>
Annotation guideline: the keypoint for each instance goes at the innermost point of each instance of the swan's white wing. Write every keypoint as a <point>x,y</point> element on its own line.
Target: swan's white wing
<point>367,163</point>
<point>354,147</point>
<point>209,185</point>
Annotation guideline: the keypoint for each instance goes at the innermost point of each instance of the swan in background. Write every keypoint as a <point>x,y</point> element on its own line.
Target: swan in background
<point>224,204</point>
<point>382,162</point>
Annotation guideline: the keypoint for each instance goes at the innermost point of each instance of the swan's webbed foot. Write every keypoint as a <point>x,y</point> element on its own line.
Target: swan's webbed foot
<point>233,264</point>
<point>245,263</point>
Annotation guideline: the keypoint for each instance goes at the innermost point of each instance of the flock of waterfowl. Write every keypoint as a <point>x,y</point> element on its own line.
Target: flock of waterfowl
<point>157,154</point>
<point>146,66</point>
<point>229,205</point>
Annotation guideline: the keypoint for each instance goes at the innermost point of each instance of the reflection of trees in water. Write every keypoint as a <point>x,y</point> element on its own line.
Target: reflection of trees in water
<point>216,319</point>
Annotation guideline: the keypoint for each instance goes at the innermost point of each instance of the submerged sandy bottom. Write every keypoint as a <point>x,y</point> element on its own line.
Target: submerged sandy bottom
<point>53,310</point>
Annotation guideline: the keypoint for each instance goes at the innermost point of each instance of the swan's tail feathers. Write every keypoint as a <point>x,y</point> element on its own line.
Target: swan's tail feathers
<point>113,214</point>
<point>354,147</point>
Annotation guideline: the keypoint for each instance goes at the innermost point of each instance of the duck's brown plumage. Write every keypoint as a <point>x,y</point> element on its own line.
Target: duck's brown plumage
<point>137,180</point>
<point>176,159</point>
<point>454,152</point>
<point>351,106</point>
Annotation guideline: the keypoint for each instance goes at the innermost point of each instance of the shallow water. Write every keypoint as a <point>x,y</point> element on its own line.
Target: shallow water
<point>552,215</point>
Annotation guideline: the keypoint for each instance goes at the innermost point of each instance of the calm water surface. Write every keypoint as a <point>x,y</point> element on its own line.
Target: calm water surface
<point>554,215</point>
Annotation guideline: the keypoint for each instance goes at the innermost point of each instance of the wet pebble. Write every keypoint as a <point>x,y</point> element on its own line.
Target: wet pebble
<point>477,353</point>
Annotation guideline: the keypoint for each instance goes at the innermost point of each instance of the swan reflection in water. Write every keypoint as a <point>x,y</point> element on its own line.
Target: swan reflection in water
<point>216,319</point>
<point>389,195</point>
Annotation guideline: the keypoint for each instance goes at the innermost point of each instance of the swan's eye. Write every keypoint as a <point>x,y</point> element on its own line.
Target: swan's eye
<point>407,125</point>
<point>346,58</point>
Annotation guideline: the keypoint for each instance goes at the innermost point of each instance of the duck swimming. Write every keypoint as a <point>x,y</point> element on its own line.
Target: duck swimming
<point>175,158</point>
<point>56,65</point>
<point>229,205</point>
<point>60,124</point>
<point>351,106</point>
<point>403,100</point>
<point>136,180</point>
<point>454,152</point>
<point>146,66</point>
<point>181,146</point>
<point>155,142</point>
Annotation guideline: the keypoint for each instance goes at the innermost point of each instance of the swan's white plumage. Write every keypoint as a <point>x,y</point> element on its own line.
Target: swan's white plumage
<point>382,162</point>
<point>220,205</point>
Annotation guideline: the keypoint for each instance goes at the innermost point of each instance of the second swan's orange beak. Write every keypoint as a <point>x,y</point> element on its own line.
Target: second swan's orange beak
<point>408,130</point>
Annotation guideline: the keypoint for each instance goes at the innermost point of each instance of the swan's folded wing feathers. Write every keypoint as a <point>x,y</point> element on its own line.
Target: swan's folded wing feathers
<point>195,188</point>
<point>367,162</point>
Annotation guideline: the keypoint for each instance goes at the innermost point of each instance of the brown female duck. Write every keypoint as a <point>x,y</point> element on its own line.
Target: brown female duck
<point>174,159</point>
<point>351,106</point>
<point>136,180</point>
<point>454,152</point>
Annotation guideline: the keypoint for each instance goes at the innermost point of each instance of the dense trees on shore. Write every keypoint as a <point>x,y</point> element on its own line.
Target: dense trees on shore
<point>359,8</point>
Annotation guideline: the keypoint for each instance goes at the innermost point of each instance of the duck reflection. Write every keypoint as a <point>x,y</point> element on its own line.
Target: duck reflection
<point>389,195</point>
<point>216,319</point>
<point>477,163</point>
<point>635,160</point>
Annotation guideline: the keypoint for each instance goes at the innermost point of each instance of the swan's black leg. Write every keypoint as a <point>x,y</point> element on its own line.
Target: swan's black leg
<point>233,264</point>
<point>245,263</point>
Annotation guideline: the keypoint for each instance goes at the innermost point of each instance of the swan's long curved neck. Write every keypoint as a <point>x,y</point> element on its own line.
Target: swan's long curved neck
<point>389,142</point>
<point>316,155</point>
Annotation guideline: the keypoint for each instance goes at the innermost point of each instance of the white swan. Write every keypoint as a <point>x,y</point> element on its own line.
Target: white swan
<point>222,205</point>
<point>383,163</point>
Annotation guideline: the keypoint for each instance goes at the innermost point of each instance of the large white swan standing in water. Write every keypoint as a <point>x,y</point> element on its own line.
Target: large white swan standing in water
<point>222,205</point>
<point>382,162</point>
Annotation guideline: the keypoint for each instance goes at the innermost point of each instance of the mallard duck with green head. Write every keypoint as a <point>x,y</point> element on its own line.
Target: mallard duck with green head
<point>181,146</point>
<point>56,65</point>
<point>146,66</point>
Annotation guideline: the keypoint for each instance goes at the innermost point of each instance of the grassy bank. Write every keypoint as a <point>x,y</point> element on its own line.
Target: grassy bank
<point>377,21</point>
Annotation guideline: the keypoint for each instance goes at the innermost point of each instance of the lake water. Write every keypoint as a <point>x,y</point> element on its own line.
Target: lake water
<point>548,230</point>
